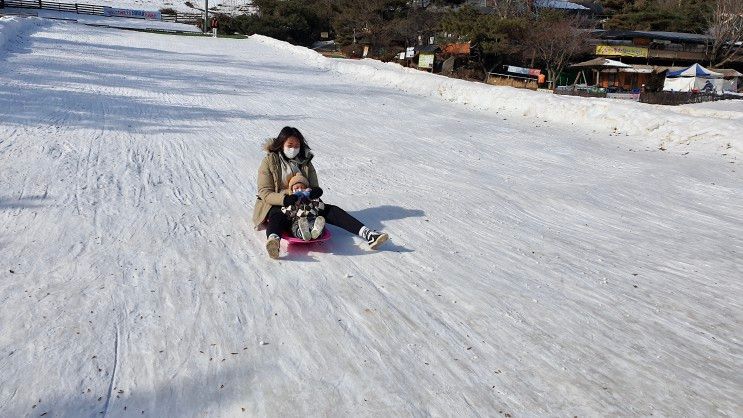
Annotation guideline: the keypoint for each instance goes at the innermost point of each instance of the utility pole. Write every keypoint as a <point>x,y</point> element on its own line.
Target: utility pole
<point>206,15</point>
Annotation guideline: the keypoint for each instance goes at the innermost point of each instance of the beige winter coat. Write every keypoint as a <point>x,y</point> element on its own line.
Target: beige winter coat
<point>270,189</point>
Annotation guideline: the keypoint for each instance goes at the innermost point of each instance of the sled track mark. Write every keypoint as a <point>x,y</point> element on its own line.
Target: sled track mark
<point>113,372</point>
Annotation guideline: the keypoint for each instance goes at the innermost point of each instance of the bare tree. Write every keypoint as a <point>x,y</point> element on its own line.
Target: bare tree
<point>726,30</point>
<point>554,40</point>
<point>508,8</point>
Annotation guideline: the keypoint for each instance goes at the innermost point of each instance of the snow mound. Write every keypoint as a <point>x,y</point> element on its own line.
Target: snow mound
<point>665,126</point>
<point>723,109</point>
<point>11,27</point>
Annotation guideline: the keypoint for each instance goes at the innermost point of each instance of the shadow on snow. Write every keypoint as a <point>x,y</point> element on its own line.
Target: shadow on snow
<point>344,243</point>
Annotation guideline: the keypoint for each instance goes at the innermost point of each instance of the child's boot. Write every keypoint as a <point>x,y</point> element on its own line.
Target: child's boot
<point>302,229</point>
<point>272,246</point>
<point>317,227</point>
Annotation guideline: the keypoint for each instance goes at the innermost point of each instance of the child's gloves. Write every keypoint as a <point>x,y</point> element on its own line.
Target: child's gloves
<point>315,193</point>
<point>290,199</point>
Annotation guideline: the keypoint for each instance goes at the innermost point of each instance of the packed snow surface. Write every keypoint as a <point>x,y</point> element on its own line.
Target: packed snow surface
<point>112,22</point>
<point>542,262</point>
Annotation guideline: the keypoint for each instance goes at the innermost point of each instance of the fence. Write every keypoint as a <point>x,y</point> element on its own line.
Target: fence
<point>580,93</point>
<point>87,9</point>
<point>91,9</point>
<point>675,98</point>
<point>670,98</point>
<point>190,18</point>
<point>511,81</point>
<point>624,96</point>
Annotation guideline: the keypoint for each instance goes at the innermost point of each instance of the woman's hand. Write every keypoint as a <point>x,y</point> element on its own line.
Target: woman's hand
<point>315,193</point>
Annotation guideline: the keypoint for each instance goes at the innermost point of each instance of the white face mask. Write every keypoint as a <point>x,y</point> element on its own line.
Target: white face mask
<point>291,152</point>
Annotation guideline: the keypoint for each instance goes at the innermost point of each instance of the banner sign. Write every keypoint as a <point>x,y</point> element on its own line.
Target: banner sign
<point>621,51</point>
<point>410,52</point>
<point>137,14</point>
<point>425,60</point>
<point>525,71</point>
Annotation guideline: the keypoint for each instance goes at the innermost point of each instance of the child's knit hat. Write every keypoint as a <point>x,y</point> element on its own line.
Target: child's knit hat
<point>298,178</point>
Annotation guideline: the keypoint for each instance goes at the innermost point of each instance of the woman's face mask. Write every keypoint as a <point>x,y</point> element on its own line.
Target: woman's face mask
<point>292,146</point>
<point>291,152</point>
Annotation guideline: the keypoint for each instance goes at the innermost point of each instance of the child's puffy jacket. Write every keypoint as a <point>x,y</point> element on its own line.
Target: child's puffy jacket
<point>304,208</point>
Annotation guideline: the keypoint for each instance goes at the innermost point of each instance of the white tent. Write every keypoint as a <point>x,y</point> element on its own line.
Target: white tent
<point>695,70</point>
<point>731,79</point>
<point>694,78</point>
<point>601,63</point>
<point>597,65</point>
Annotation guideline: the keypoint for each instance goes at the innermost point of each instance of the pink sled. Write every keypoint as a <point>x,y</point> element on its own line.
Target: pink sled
<point>294,240</point>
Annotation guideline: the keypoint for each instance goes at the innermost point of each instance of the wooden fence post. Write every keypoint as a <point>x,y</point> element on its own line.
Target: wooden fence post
<point>76,11</point>
<point>2,4</point>
<point>39,4</point>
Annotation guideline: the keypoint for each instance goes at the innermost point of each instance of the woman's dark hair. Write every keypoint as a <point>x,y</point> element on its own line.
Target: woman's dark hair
<point>287,132</point>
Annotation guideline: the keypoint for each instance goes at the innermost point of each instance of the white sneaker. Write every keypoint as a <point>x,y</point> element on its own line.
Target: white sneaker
<point>272,246</point>
<point>317,227</point>
<point>375,239</point>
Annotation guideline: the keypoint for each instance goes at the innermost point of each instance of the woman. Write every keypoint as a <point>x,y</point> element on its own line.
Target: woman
<point>287,155</point>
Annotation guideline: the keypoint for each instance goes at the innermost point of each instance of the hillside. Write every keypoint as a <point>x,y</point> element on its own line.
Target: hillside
<point>546,257</point>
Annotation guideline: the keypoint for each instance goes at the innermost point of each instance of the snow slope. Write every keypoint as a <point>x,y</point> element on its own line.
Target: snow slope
<point>657,123</point>
<point>112,22</point>
<point>196,6</point>
<point>535,268</point>
<point>222,6</point>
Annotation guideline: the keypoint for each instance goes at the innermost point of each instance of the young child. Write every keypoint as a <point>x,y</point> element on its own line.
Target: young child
<point>303,215</point>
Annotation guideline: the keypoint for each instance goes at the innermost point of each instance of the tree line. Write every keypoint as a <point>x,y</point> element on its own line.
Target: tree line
<point>505,32</point>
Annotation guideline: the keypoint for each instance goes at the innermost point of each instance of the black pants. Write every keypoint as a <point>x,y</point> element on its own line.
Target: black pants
<point>277,222</point>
